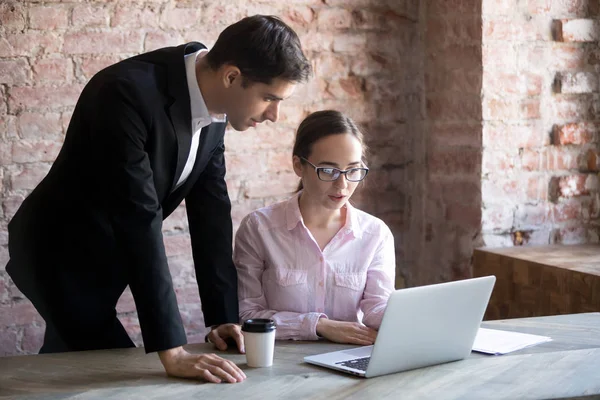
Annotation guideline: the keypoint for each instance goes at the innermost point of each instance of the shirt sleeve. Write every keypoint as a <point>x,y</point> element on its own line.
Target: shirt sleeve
<point>249,260</point>
<point>380,281</point>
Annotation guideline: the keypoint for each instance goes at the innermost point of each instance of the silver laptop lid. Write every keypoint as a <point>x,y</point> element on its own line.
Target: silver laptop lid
<point>429,325</point>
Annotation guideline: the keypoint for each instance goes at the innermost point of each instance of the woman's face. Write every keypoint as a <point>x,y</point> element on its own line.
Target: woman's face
<point>342,151</point>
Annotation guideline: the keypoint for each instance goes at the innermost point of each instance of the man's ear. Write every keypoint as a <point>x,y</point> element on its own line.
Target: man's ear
<point>297,164</point>
<point>230,73</point>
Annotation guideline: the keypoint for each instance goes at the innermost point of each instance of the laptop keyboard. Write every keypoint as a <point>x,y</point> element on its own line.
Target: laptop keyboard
<point>358,363</point>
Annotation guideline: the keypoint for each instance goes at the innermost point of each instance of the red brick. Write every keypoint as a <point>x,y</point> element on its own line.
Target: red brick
<point>467,80</point>
<point>299,17</point>
<point>456,7</point>
<point>333,18</point>
<point>130,16</point>
<point>560,7</point>
<point>91,65</point>
<point>499,56</point>
<point>37,98</point>
<point>515,109</point>
<point>22,313</point>
<point>456,161</point>
<point>38,151</point>
<point>350,43</point>
<point>577,82</point>
<point>563,158</point>
<point>178,18</point>
<point>443,134</point>
<point>177,221</point>
<point>497,218</point>
<point>48,17</point>
<point>29,43</point>
<point>14,72</point>
<point>332,65</point>
<point>455,57</point>
<point>569,186</point>
<point>52,69</point>
<point>453,30</point>
<point>126,303</point>
<point>361,64</point>
<point>575,133</point>
<point>28,176</point>
<point>10,204</point>
<point>234,188</point>
<point>9,341</point>
<point>579,30</point>
<point>536,188</point>
<point>533,160</point>
<point>568,210</point>
<point>33,338</point>
<point>349,87</point>
<point>13,16</point>
<point>498,160</point>
<point>158,39</point>
<point>511,29</point>
<point>446,108</point>
<point>512,83</point>
<point>263,138</point>
<point>532,216</point>
<point>572,235</point>
<point>238,164</point>
<point>568,57</point>
<point>103,42</point>
<point>590,161</point>
<point>323,42</point>
<point>6,154</point>
<point>87,15</point>
<point>281,184</point>
<point>573,107</point>
<point>499,7</point>
<point>178,244</point>
<point>39,126</point>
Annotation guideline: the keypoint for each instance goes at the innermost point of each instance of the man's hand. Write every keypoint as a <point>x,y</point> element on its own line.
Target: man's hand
<point>210,367</point>
<point>220,333</point>
<point>346,332</point>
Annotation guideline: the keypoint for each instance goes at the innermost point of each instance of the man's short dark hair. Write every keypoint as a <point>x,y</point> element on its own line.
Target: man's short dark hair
<point>263,48</point>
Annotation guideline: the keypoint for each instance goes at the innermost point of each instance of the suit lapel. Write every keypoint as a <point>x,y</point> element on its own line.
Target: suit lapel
<point>179,110</point>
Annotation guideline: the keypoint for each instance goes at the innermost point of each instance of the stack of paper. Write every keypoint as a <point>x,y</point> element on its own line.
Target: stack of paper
<point>493,341</point>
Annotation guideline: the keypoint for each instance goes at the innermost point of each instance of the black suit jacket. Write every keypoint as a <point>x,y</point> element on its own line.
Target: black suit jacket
<point>94,222</point>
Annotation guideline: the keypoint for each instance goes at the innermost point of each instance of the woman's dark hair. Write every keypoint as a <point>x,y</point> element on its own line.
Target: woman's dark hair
<point>321,124</point>
<point>264,48</point>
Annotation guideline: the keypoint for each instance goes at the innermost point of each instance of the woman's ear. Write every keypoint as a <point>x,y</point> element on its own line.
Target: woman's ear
<point>297,163</point>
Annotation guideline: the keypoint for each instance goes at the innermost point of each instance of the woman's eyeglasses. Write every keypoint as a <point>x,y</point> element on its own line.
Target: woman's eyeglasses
<point>329,174</point>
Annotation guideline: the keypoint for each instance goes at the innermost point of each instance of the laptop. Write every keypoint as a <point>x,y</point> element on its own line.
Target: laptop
<point>421,326</point>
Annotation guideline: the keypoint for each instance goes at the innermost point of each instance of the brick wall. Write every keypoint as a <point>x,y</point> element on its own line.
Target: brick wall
<point>540,122</point>
<point>366,54</point>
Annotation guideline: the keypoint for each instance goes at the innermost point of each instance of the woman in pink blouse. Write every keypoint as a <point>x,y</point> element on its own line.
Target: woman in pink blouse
<point>315,264</point>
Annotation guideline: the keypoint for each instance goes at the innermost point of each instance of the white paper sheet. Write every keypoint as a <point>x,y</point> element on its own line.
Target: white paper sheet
<point>494,341</point>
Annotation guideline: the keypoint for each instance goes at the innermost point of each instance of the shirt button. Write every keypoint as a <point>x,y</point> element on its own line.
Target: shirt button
<point>319,309</point>
<point>320,258</point>
<point>321,283</point>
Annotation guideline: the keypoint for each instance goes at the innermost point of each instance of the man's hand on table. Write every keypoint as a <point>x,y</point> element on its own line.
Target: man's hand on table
<point>220,333</point>
<point>210,367</point>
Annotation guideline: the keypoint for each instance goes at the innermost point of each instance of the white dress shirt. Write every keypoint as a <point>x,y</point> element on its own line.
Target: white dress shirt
<point>200,115</point>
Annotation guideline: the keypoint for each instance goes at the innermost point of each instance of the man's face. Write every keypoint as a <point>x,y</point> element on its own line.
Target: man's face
<point>256,102</point>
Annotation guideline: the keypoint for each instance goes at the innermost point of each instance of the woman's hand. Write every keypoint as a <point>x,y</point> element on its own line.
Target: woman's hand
<point>346,332</point>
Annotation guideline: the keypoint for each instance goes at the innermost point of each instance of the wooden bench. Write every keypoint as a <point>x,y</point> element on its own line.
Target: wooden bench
<point>539,281</point>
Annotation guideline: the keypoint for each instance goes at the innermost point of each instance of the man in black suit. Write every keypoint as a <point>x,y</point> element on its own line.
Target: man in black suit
<point>146,134</point>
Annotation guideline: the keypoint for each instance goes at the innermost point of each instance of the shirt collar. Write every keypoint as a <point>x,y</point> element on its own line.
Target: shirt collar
<point>294,217</point>
<point>199,110</point>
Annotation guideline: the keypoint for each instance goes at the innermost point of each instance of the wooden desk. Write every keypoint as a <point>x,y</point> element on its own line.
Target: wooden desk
<point>569,366</point>
<point>541,280</point>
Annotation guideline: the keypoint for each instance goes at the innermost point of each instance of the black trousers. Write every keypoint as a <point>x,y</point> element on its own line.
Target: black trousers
<point>77,318</point>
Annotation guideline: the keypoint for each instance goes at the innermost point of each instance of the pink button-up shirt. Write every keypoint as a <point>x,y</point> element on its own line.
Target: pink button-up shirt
<point>284,275</point>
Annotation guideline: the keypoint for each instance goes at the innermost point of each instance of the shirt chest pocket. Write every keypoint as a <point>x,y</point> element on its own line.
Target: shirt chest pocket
<point>290,277</point>
<point>352,281</point>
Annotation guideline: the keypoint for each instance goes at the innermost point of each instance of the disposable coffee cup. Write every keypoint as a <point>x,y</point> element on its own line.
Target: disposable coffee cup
<point>259,340</point>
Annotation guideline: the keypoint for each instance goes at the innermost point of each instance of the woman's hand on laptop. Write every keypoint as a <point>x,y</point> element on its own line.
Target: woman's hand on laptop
<point>346,332</point>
